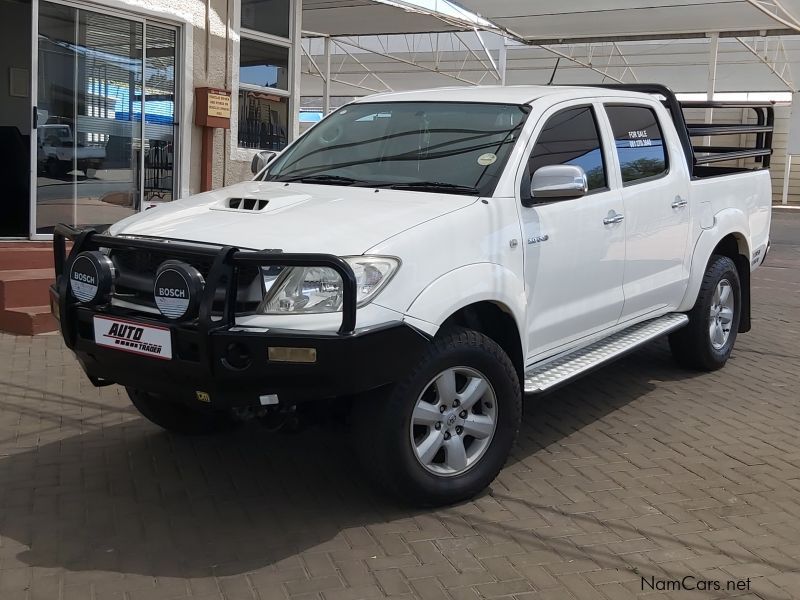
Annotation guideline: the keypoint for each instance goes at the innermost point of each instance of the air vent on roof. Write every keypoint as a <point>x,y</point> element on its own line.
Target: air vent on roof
<point>247,203</point>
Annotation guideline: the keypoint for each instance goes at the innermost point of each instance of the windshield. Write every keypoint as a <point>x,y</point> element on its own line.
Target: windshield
<point>445,147</point>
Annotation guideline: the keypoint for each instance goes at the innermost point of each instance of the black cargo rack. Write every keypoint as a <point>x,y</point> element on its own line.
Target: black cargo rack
<point>223,274</point>
<point>697,155</point>
<point>763,129</point>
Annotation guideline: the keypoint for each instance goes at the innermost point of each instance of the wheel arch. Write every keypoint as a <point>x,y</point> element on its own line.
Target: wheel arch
<point>488,295</point>
<point>733,244</point>
<point>496,321</point>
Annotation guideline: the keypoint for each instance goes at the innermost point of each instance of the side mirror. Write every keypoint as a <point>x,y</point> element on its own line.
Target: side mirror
<point>557,182</point>
<point>262,159</point>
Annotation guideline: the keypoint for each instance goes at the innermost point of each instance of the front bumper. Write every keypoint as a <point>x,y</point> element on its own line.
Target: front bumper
<point>216,362</point>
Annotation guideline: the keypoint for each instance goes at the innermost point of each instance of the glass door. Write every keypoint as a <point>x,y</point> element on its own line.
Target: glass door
<point>160,118</point>
<point>105,106</point>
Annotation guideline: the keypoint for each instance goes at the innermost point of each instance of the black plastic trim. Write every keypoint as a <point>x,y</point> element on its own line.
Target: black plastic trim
<point>367,359</point>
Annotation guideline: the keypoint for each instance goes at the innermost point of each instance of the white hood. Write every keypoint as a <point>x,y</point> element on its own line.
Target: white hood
<point>298,217</point>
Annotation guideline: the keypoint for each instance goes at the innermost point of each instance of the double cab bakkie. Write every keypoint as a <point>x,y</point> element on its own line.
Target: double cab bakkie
<point>425,260</point>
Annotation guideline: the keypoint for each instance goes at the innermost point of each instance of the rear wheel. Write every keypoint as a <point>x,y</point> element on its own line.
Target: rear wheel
<point>178,417</point>
<point>707,341</point>
<point>441,435</point>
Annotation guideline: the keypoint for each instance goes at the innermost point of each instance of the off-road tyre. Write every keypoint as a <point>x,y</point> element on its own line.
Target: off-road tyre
<point>692,345</point>
<point>382,423</point>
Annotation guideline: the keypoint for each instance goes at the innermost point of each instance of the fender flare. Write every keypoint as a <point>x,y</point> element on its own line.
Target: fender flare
<point>727,222</point>
<point>478,282</point>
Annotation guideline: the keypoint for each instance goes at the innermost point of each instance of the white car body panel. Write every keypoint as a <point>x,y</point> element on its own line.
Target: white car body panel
<point>657,234</point>
<point>736,207</point>
<point>334,219</point>
<point>585,281</point>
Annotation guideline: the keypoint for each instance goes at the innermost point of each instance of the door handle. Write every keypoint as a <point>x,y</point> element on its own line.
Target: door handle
<point>679,202</point>
<point>612,219</point>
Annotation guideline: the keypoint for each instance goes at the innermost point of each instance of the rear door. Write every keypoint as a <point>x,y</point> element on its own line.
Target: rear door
<point>655,194</point>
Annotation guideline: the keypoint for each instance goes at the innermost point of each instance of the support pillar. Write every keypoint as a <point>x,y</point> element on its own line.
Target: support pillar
<point>713,48</point>
<point>206,159</point>
<point>502,63</point>
<point>326,79</point>
<point>296,60</point>
<point>787,173</point>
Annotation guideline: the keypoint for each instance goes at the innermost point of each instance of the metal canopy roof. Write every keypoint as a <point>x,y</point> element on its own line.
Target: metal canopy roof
<point>365,17</point>
<point>554,21</point>
<point>364,65</point>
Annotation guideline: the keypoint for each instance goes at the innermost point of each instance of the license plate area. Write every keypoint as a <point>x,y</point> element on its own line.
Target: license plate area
<point>129,336</point>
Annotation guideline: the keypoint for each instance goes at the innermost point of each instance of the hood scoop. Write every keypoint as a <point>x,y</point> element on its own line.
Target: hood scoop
<point>245,204</point>
<point>257,203</point>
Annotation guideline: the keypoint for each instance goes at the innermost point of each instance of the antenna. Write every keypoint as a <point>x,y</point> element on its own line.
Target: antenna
<point>553,74</point>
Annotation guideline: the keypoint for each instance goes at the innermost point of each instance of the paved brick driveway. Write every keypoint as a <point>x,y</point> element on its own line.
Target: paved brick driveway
<point>641,469</point>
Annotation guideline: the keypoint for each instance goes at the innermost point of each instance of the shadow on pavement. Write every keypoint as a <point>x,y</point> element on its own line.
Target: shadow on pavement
<point>129,498</point>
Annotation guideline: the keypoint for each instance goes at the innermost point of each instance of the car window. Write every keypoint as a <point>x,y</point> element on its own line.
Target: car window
<point>571,137</point>
<point>639,142</point>
<point>451,147</point>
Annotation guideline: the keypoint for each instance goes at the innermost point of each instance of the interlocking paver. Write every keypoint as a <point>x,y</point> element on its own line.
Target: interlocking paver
<point>639,470</point>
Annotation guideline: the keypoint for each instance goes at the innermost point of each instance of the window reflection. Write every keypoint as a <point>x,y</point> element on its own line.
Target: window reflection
<point>263,121</point>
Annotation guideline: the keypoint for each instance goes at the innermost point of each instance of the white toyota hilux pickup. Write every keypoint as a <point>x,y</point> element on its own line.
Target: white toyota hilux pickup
<point>425,260</point>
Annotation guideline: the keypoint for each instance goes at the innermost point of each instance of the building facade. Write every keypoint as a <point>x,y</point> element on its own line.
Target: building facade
<point>97,102</point>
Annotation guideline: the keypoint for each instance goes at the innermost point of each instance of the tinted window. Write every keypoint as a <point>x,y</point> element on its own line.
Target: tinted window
<point>639,143</point>
<point>263,64</point>
<point>451,147</point>
<point>570,137</point>
<point>267,16</point>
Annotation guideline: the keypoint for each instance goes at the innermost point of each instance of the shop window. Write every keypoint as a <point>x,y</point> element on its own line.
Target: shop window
<point>266,16</point>
<point>264,74</point>
<point>263,65</point>
<point>263,120</point>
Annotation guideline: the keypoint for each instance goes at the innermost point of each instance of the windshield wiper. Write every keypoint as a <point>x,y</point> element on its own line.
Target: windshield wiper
<point>433,186</point>
<point>329,179</point>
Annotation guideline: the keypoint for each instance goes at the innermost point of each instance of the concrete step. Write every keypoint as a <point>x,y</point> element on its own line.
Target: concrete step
<point>20,257</point>
<point>27,320</point>
<point>25,287</point>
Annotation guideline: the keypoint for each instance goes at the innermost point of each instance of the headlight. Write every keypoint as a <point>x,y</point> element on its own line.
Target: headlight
<point>320,290</point>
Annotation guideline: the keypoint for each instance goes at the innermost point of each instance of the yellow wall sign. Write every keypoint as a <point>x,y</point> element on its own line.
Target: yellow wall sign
<point>219,105</point>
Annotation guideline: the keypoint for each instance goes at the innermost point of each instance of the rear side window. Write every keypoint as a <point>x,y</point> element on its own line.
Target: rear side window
<point>571,137</point>
<point>639,143</point>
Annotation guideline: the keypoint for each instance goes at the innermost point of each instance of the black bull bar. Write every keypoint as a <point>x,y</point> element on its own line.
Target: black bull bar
<point>226,261</point>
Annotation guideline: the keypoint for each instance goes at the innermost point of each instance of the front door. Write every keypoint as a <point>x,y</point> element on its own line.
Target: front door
<point>105,115</point>
<point>656,195</point>
<point>575,250</point>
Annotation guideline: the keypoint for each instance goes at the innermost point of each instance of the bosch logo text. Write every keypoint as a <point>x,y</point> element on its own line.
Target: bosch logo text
<point>172,292</point>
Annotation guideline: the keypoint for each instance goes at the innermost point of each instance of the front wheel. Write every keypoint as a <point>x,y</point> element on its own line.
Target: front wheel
<point>177,417</point>
<point>443,433</point>
<point>707,341</point>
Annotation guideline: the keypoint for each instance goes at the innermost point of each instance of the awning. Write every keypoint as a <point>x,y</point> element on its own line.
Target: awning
<point>556,21</point>
<point>370,17</point>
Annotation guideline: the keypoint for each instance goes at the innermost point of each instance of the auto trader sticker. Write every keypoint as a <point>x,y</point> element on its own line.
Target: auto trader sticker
<point>130,336</point>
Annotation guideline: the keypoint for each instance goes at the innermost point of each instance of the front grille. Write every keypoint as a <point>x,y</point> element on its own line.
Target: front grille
<point>146,263</point>
<point>136,271</point>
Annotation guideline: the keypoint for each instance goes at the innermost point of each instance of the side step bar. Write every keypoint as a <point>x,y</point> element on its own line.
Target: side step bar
<point>561,369</point>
